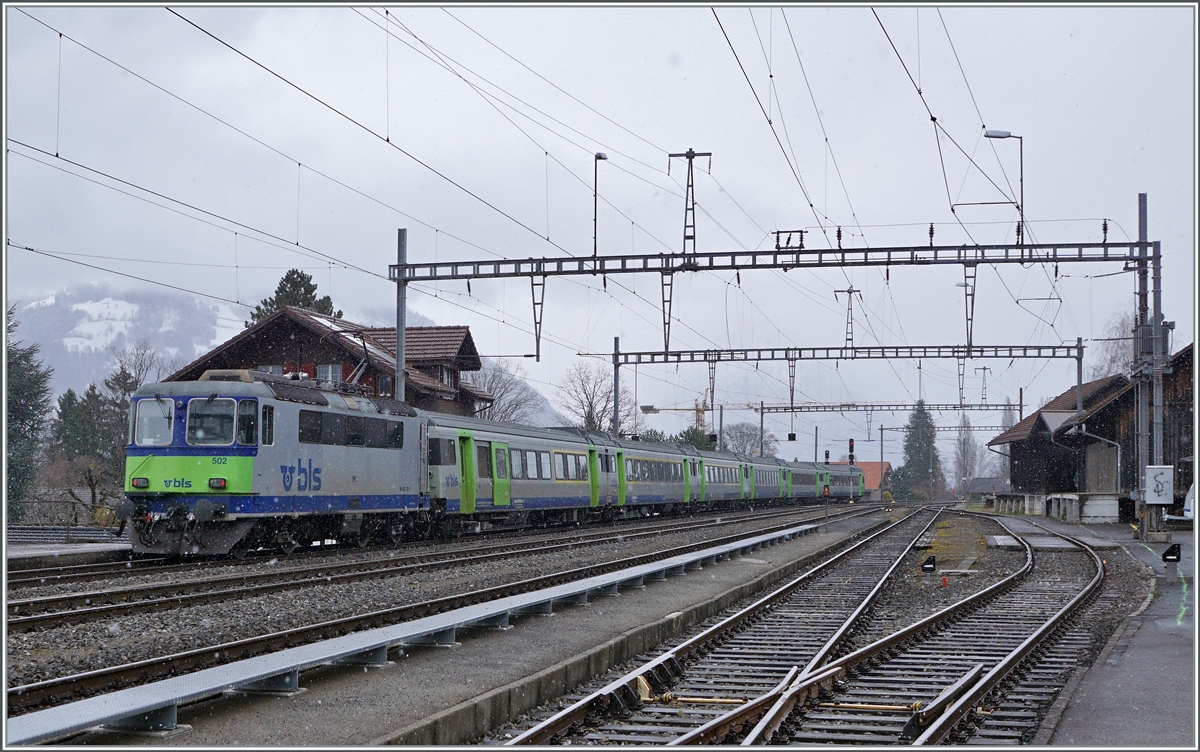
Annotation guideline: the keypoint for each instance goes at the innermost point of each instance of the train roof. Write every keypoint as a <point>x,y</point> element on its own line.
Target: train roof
<point>247,383</point>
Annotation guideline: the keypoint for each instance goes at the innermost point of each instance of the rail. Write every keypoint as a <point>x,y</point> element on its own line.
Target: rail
<point>154,705</point>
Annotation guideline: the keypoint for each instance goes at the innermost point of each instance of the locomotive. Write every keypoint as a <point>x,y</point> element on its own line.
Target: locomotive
<point>240,460</point>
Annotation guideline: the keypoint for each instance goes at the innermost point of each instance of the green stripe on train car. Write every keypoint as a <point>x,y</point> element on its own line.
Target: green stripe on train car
<point>467,487</point>
<point>190,475</point>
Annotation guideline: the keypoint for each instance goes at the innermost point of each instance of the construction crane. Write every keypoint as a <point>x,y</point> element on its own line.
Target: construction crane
<point>699,407</point>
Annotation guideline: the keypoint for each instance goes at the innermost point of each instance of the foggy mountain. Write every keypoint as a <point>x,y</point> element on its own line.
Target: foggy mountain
<point>78,328</point>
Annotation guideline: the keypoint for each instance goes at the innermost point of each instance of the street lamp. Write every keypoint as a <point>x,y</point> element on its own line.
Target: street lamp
<point>1021,206</point>
<point>595,196</point>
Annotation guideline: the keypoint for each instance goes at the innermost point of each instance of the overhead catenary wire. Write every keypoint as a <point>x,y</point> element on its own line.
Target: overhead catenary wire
<point>262,143</point>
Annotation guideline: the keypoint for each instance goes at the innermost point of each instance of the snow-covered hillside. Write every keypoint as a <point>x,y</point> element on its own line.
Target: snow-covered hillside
<point>79,328</point>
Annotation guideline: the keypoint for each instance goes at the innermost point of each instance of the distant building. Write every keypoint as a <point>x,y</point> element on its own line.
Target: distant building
<point>1056,452</point>
<point>325,348</point>
<point>987,488</point>
<point>877,478</point>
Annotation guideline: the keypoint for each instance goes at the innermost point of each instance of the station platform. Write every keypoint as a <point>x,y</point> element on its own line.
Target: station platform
<point>1141,691</point>
<point>20,556</point>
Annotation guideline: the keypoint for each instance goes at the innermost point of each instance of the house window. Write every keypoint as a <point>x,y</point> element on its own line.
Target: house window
<point>448,376</point>
<point>329,372</point>
<point>272,369</point>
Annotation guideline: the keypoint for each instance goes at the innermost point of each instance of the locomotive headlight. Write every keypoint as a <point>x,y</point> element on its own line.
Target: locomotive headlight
<point>217,483</point>
<point>140,482</point>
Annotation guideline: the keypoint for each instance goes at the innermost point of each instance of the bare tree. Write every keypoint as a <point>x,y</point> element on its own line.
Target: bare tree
<point>585,393</point>
<point>1114,353</point>
<point>744,439</point>
<point>514,400</point>
<point>966,455</point>
<point>146,364</point>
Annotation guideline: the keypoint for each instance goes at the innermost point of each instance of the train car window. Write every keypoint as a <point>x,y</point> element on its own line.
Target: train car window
<point>483,459</point>
<point>572,467</point>
<point>531,466</point>
<point>501,465</point>
<point>582,462</point>
<point>154,422</point>
<point>376,433</point>
<point>333,428</point>
<point>268,425</point>
<point>210,421</point>
<point>395,437</point>
<point>441,452</point>
<point>310,427</point>
<point>560,466</point>
<point>544,461</point>
<point>629,470</point>
<point>247,422</point>
<point>517,460</point>
<point>356,430</point>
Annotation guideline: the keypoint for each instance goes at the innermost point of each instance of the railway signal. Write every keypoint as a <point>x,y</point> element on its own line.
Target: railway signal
<point>930,564</point>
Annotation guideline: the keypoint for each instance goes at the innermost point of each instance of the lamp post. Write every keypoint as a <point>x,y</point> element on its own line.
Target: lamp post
<point>596,196</point>
<point>1021,206</point>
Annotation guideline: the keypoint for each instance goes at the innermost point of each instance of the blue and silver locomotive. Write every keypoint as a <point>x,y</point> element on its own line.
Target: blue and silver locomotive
<point>241,460</point>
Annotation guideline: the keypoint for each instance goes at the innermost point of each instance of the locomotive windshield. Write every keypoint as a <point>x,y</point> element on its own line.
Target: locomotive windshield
<point>210,421</point>
<point>153,424</point>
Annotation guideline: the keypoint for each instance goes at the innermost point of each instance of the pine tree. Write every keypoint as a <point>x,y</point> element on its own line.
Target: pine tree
<point>696,437</point>
<point>295,289</point>
<point>921,455</point>
<point>28,405</point>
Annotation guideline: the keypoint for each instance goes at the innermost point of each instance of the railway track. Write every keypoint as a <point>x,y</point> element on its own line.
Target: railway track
<point>76,608</point>
<point>973,667</point>
<point>65,689</point>
<point>52,576</point>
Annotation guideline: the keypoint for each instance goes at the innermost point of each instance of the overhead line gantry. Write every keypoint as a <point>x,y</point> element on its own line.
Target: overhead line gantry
<point>785,256</point>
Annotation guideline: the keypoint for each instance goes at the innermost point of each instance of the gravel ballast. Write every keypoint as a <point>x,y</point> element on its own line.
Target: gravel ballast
<point>63,651</point>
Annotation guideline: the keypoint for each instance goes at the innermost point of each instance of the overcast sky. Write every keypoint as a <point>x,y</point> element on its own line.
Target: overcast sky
<point>475,128</point>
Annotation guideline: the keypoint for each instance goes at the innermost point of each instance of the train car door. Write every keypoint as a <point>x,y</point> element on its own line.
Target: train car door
<point>468,486</point>
<point>786,474</point>
<point>483,473</point>
<point>423,451</point>
<point>621,482</point>
<point>703,480</point>
<point>687,479</point>
<point>501,480</point>
<point>594,475</point>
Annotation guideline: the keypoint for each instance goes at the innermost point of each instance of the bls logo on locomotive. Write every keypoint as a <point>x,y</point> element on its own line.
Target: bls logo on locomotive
<point>305,478</point>
<point>177,483</point>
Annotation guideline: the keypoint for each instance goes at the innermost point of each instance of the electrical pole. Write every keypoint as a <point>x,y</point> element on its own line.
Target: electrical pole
<point>721,430</point>
<point>849,313</point>
<point>401,306</point>
<point>1143,391</point>
<point>983,394</point>
<point>616,421</point>
<point>689,237</point>
<point>762,434</point>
